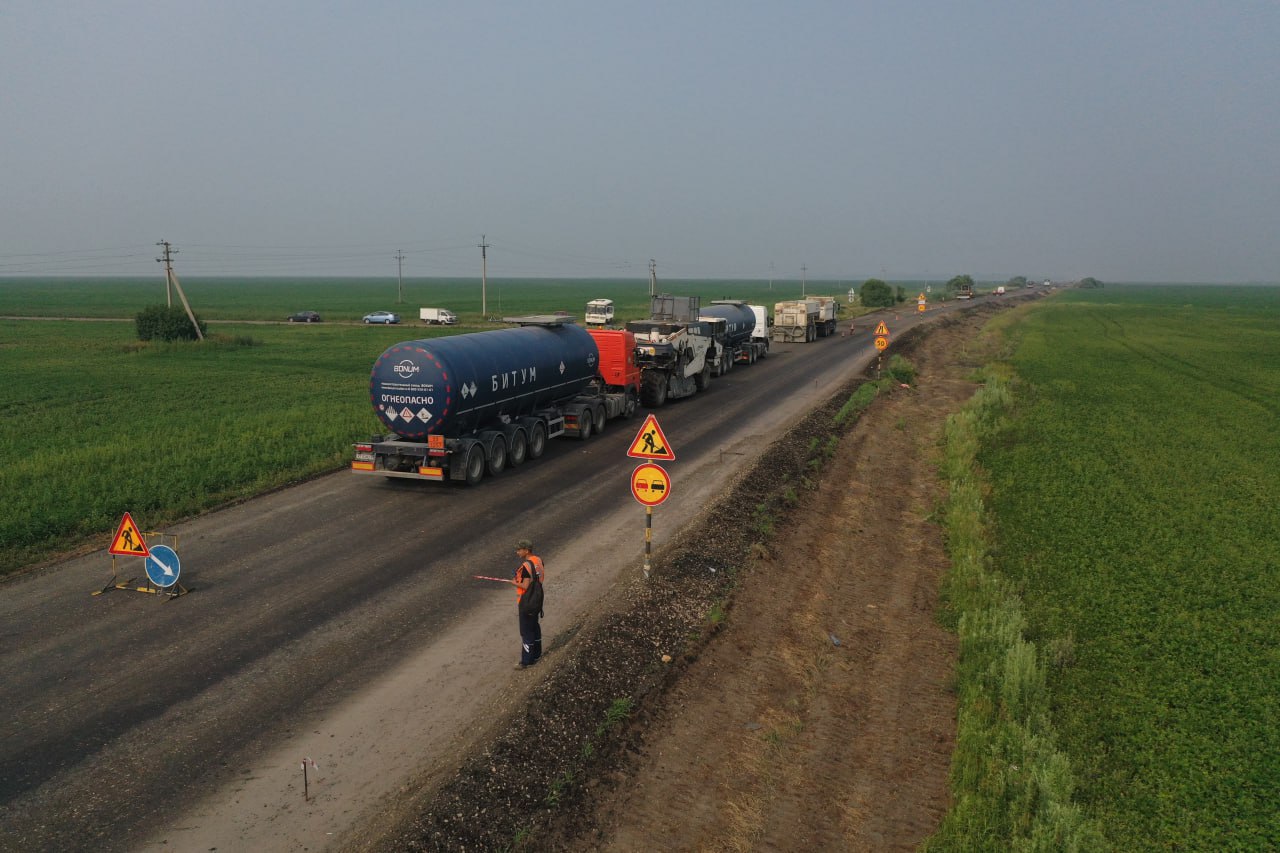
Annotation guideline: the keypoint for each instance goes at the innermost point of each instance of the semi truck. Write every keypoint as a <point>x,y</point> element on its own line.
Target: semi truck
<point>599,312</point>
<point>464,406</point>
<point>740,331</point>
<point>437,316</point>
<point>674,348</point>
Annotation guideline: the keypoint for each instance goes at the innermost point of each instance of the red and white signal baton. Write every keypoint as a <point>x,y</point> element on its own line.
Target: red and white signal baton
<point>487,578</point>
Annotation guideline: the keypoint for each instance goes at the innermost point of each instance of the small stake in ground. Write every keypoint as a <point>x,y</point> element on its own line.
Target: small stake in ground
<point>306,790</point>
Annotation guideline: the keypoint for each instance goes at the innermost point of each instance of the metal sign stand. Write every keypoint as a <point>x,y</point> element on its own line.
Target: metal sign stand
<point>173,591</point>
<point>115,582</point>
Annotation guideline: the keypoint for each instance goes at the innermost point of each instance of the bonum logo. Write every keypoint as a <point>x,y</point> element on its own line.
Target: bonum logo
<point>405,369</point>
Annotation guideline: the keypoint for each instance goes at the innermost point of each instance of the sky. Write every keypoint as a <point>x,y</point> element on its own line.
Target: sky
<point>1128,141</point>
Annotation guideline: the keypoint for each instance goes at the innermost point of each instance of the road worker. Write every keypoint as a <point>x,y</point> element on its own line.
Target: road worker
<point>530,627</point>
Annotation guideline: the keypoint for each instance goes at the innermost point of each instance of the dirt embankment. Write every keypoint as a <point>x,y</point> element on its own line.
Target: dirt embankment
<point>817,714</point>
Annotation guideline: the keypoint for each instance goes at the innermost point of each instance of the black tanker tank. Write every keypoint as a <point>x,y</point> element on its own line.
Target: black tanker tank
<point>454,385</point>
<point>740,319</point>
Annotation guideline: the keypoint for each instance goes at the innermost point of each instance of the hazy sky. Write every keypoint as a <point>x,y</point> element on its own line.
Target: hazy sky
<point>1129,141</point>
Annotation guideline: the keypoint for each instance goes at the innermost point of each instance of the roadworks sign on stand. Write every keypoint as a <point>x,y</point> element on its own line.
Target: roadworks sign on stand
<point>160,561</point>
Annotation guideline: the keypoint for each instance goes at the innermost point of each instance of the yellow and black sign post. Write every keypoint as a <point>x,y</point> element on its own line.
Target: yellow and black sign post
<point>650,482</point>
<point>882,344</point>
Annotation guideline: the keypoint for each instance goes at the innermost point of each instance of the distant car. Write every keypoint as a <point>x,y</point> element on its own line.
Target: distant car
<point>382,317</point>
<point>305,317</point>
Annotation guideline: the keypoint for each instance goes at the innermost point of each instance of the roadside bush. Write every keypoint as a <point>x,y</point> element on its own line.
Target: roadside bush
<point>167,323</point>
<point>874,293</point>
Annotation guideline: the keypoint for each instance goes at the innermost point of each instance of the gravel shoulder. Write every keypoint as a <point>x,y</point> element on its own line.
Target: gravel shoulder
<point>779,682</point>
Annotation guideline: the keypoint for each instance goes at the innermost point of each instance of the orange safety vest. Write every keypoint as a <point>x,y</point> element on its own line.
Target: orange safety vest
<point>536,563</point>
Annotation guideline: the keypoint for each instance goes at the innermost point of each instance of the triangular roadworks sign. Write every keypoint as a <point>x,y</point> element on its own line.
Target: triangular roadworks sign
<point>650,443</point>
<point>128,541</point>
<point>882,329</point>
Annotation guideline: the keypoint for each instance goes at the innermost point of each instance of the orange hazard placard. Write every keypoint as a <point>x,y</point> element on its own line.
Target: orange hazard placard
<point>650,443</point>
<point>128,541</point>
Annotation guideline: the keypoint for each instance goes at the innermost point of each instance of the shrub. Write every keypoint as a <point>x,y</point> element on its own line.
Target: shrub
<point>167,323</point>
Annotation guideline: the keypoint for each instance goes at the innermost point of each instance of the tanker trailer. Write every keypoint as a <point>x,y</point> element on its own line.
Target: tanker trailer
<point>743,343</point>
<point>461,406</point>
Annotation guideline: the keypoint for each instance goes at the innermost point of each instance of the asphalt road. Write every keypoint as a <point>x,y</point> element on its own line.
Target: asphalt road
<point>124,710</point>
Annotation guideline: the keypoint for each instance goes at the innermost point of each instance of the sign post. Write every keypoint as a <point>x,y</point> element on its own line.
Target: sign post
<point>882,344</point>
<point>650,483</point>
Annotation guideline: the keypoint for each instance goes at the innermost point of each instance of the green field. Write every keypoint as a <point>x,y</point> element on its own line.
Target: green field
<point>1134,496</point>
<point>349,299</point>
<point>94,423</point>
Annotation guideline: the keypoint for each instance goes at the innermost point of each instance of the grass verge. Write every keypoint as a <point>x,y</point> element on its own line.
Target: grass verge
<point>1012,787</point>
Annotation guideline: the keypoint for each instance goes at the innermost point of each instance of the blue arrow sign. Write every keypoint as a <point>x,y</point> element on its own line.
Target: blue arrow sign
<point>163,566</point>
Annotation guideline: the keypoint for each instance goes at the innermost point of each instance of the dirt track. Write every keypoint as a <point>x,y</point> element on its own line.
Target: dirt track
<point>817,716</point>
<point>778,738</point>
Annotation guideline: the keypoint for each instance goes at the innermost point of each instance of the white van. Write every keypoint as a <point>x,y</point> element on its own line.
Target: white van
<point>438,316</point>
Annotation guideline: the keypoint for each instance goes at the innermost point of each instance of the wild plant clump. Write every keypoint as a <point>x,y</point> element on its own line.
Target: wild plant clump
<point>167,323</point>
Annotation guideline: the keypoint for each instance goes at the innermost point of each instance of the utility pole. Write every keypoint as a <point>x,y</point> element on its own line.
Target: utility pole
<point>484,277</point>
<point>399,276</point>
<point>171,281</point>
<point>770,276</point>
<point>803,270</point>
<point>653,277</point>
<point>167,260</point>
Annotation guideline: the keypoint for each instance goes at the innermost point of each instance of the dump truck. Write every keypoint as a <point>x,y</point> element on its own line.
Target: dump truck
<point>795,321</point>
<point>828,311</point>
<point>464,406</point>
<point>674,349</point>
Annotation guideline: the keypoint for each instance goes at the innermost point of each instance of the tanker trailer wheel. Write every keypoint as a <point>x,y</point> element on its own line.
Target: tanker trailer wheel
<point>600,419</point>
<point>537,439</point>
<point>653,389</point>
<point>496,456</point>
<point>629,405</point>
<point>519,448</point>
<point>475,465</point>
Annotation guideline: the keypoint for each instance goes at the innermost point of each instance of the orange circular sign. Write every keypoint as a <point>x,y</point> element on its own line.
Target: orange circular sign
<point>650,484</point>
<point>882,343</point>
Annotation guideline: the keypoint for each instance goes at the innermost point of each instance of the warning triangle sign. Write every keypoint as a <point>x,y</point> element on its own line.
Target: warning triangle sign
<point>128,541</point>
<point>882,329</point>
<point>650,443</point>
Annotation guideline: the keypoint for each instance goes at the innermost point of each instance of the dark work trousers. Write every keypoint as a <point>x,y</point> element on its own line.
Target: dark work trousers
<point>530,638</point>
